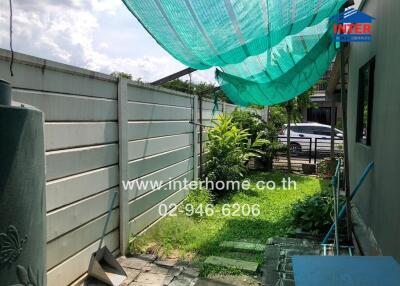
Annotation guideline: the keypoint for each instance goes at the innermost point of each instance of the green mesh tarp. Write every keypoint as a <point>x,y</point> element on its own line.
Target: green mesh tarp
<point>264,90</point>
<point>284,71</point>
<point>280,58</point>
<point>207,33</point>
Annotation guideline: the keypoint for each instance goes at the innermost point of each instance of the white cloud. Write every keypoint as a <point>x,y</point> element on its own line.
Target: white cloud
<point>46,42</point>
<point>110,6</point>
<point>96,34</point>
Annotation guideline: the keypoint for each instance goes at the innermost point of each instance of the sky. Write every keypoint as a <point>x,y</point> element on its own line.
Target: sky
<point>100,35</point>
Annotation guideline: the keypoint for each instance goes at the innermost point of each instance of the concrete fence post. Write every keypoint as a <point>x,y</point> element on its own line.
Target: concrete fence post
<point>265,113</point>
<point>123,163</point>
<point>195,136</point>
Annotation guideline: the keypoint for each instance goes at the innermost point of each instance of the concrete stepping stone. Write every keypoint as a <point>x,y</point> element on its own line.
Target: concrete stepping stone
<point>243,246</point>
<point>232,263</point>
<point>228,280</point>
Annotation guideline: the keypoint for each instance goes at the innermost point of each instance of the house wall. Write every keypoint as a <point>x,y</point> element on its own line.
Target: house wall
<point>379,199</point>
<point>100,131</point>
<point>325,104</point>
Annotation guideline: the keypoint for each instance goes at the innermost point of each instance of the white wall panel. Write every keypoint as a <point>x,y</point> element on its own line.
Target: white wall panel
<point>84,123</point>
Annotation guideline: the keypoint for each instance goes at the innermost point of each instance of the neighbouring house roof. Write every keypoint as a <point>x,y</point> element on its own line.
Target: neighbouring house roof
<point>352,16</point>
<point>318,97</point>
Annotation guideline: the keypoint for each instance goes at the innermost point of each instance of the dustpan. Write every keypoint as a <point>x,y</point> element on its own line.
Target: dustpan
<point>103,265</point>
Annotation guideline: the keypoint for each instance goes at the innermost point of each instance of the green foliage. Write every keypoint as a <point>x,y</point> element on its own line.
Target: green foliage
<point>126,75</point>
<point>228,149</point>
<point>121,74</point>
<point>277,118</point>
<point>203,88</point>
<point>187,86</point>
<point>326,168</point>
<point>296,105</point>
<point>339,124</point>
<point>249,120</point>
<point>294,108</point>
<point>270,151</point>
<point>166,237</point>
<point>197,197</point>
<point>314,214</point>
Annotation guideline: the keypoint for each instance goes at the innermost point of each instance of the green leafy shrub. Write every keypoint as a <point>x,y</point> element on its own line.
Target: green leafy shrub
<point>277,118</point>
<point>229,148</point>
<point>326,168</point>
<point>269,152</point>
<point>314,214</point>
<point>251,121</point>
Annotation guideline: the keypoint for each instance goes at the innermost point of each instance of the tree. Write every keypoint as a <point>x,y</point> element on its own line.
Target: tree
<point>121,74</point>
<point>127,76</point>
<point>289,110</point>
<point>276,120</point>
<point>203,88</point>
<point>294,109</point>
<point>190,87</point>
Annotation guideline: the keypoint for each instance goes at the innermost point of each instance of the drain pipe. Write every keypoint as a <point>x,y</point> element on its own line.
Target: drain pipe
<point>5,93</point>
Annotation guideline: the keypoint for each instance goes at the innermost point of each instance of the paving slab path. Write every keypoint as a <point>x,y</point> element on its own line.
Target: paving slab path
<point>148,270</point>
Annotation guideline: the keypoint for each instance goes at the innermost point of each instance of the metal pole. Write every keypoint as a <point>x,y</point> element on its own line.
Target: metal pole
<point>289,109</point>
<point>310,152</point>
<point>337,206</point>
<point>335,188</point>
<point>173,76</point>
<point>315,151</point>
<point>195,137</point>
<point>332,131</point>
<point>201,135</point>
<point>335,202</point>
<point>345,141</point>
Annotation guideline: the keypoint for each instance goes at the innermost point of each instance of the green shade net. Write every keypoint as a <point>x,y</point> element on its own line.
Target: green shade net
<point>279,59</point>
<point>282,72</point>
<point>206,33</point>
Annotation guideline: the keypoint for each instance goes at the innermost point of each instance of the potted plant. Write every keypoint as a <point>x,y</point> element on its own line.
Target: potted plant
<point>308,168</point>
<point>327,167</point>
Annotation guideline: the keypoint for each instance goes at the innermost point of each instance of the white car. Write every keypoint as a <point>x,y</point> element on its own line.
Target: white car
<point>304,137</point>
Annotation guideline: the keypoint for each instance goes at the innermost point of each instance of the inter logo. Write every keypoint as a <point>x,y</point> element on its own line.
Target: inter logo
<point>352,26</point>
